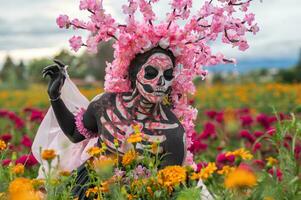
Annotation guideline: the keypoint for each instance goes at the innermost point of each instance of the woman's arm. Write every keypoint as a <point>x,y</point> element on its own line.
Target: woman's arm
<point>65,118</point>
<point>67,121</point>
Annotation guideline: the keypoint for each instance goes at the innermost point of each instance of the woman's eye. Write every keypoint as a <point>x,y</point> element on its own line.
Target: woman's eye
<point>150,72</point>
<point>168,74</point>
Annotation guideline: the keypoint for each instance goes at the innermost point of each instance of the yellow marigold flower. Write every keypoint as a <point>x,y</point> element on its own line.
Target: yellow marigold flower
<point>271,161</point>
<point>94,151</point>
<point>208,171</point>
<point>240,178</point>
<point>18,169</point>
<point>244,154</point>
<point>134,138</point>
<point>48,154</point>
<point>205,173</point>
<point>22,188</point>
<point>129,157</point>
<point>171,176</point>
<point>103,162</point>
<point>225,170</point>
<point>131,197</point>
<point>2,145</point>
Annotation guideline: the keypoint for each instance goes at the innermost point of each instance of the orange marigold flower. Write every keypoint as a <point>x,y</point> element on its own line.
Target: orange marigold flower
<point>134,138</point>
<point>129,157</point>
<point>93,191</point>
<point>171,176</point>
<point>94,151</point>
<point>48,154</point>
<point>2,145</point>
<point>240,178</point>
<point>18,169</point>
<point>22,188</point>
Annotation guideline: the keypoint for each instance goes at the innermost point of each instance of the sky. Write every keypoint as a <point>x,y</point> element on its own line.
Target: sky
<point>28,29</point>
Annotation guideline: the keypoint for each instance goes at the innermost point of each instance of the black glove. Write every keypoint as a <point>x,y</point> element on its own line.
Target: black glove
<point>57,75</point>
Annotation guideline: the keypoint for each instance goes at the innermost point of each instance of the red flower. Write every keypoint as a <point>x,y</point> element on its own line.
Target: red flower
<point>27,160</point>
<point>201,165</point>
<point>276,173</point>
<point>246,120</point>
<point>6,162</point>
<point>209,130</point>
<point>247,135</point>
<point>297,151</point>
<point>6,137</point>
<point>257,146</point>
<point>271,131</point>
<point>211,114</point>
<point>222,159</point>
<point>220,117</point>
<point>259,163</point>
<point>26,141</point>
<point>258,134</point>
<point>263,120</point>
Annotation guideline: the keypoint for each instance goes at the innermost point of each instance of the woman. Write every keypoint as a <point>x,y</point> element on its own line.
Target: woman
<point>112,115</point>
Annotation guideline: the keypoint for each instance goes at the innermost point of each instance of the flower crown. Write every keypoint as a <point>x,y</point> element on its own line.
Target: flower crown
<point>225,20</point>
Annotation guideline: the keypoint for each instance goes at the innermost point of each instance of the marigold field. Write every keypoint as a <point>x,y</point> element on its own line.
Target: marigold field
<point>247,145</point>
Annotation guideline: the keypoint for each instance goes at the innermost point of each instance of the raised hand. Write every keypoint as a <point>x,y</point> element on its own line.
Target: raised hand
<point>57,75</point>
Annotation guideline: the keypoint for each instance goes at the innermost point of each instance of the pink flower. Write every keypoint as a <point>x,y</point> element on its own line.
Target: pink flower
<point>92,44</point>
<point>271,131</point>
<point>249,18</point>
<point>254,29</point>
<point>63,21</point>
<point>26,141</point>
<point>27,160</point>
<point>76,43</point>
<point>89,5</point>
<point>243,45</point>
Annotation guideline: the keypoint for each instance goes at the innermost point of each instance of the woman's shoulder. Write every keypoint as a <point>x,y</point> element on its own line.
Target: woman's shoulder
<point>103,100</point>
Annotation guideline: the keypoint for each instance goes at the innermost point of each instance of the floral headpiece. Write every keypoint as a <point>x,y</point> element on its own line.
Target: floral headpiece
<point>225,20</point>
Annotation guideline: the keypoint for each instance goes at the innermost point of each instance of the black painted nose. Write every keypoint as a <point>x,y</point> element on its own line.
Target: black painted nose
<point>161,81</point>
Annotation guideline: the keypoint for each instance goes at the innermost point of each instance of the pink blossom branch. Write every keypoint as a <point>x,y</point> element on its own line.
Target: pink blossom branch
<point>238,4</point>
<point>230,40</point>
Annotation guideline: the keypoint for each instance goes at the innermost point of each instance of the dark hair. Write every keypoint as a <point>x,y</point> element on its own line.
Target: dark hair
<point>141,58</point>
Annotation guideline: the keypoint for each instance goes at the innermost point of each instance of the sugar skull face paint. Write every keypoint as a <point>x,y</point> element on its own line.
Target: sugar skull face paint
<point>155,77</point>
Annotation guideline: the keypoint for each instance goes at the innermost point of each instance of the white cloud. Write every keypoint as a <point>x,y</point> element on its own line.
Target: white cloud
<point>31,24</point>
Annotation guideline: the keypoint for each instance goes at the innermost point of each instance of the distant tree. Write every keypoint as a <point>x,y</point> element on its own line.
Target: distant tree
<point>35,68</point>
<point>7,72</point>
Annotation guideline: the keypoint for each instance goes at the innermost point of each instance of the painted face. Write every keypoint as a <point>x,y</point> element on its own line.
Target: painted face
<point>155,78</point>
